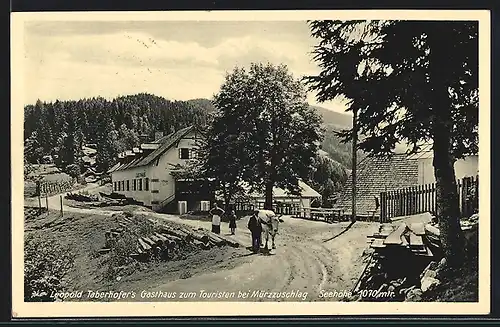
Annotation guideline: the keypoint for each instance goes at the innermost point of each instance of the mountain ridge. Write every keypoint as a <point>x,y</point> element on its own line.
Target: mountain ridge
<point>334,119</point>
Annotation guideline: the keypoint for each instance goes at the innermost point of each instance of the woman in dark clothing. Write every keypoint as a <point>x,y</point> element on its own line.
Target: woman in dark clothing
<point>256,229</point>
<point>232,222</point>
<point>216,213</point>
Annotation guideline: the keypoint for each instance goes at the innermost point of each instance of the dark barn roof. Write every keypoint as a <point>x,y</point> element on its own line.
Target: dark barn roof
<point>165,142</point>
<point>376,175</point>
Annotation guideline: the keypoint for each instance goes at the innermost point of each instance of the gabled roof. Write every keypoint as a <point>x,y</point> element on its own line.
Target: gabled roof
<point>114,168</point>
<point>306,192</point>
<point>167,142</point>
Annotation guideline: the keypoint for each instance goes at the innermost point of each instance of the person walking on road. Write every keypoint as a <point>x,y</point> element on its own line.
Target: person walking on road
<point>232,221</point>
<point>216,213</point>
<point>256,229</point>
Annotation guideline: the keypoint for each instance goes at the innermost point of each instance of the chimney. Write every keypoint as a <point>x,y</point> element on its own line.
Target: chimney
<point>147,148</point>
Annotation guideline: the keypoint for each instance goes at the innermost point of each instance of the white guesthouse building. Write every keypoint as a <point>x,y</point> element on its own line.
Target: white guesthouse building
<point>144,174</point>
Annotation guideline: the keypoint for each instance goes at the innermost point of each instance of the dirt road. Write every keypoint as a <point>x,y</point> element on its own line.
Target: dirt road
<point>303,265</point>
<point>54,202</point>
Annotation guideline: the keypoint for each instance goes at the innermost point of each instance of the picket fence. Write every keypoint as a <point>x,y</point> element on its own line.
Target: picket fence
<point>422,198</point>
<point>47,187</point>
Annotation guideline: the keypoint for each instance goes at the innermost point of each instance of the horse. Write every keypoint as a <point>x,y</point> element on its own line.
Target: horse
<point>269,222</point>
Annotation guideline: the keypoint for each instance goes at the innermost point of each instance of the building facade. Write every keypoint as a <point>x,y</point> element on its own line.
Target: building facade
<point>145,175</point>
<point>382,174</point>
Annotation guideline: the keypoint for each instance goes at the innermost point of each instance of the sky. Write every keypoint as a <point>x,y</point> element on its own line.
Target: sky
<point>181,60</point>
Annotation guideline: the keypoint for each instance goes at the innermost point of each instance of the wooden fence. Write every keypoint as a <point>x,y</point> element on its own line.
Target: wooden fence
<point>422,198</point>
<point>280,209</point>
<point>53,187</point>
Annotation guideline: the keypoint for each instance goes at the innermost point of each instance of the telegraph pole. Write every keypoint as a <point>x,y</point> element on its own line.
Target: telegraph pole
<point>354,162</point>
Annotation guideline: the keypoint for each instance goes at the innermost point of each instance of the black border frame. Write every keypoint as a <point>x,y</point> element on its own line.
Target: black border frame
<point>151,5</point>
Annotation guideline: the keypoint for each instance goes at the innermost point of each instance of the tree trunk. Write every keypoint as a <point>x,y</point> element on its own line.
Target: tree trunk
<point>354,163</point>
<point>268,204</point>
<point>447,204</point>
<point>227,200</point>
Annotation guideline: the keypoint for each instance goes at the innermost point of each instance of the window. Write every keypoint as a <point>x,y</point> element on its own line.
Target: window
<point>134,185</point>
<point>118,185</point>
<point>184,153</point>
<point>146,184</point>
<point>192,154</point>
<point>140,184</point>
<point>205,205</point>
<point>128,185</point>
<point>123,185</point>
<point>114,186</point>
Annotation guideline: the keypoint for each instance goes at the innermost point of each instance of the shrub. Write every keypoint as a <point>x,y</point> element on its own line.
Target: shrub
<point>119,257</point>
<point>46,263</point>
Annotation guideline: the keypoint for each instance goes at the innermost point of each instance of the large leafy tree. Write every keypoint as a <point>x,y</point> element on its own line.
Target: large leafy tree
<point>264,129</point>
<point>409,81</point>
<point>214,161</point>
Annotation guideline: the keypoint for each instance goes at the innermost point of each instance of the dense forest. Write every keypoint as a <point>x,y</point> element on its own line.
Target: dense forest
<point>60,128</point>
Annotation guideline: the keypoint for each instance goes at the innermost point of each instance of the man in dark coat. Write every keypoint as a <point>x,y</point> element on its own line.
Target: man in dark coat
<point>255,228</point>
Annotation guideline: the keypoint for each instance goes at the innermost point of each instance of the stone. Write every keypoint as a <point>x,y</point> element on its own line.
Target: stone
<point>440,269</point>
<point>441,264</point>
<point>431,266</point>
<point>414,295</point>
<point>430,273</point>
<point>428,283</point>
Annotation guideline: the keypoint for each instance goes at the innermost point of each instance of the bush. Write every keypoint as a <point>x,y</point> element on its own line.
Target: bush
<point>46,263</point>
<point>119,259</point>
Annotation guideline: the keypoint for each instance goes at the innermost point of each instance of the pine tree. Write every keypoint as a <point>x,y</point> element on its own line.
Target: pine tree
<point>412,81</point>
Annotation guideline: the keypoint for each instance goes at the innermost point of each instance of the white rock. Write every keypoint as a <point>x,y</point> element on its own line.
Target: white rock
<point>430,273</point>
<point>441,264</point>
<point>428,283</point>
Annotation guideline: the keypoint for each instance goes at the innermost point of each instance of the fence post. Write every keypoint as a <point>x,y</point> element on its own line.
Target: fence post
<point>419,200</point>
<point>388,210</point>
<point>382,206</point>
<point>405,205</point>
<point>61,199</point>
<point>433,198</point>
<point>47,200</point>
<point>413,200</point>
<point>461,195</point>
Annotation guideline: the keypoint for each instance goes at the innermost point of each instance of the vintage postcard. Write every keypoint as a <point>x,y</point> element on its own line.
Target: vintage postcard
<point>250,163</point>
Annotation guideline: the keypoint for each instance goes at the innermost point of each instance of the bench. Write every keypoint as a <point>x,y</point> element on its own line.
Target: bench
<point>371,214</point>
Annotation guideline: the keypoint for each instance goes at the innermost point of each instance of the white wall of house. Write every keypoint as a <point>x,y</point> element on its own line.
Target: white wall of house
<point>466,167</point>
<point>129,175</point>
<point>161,182</point>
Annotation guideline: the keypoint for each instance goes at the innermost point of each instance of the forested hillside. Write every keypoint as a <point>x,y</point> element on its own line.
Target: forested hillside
<point>60,128</point>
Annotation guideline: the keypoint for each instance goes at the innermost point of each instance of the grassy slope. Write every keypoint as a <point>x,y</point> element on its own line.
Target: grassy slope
<point>84,234</point>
